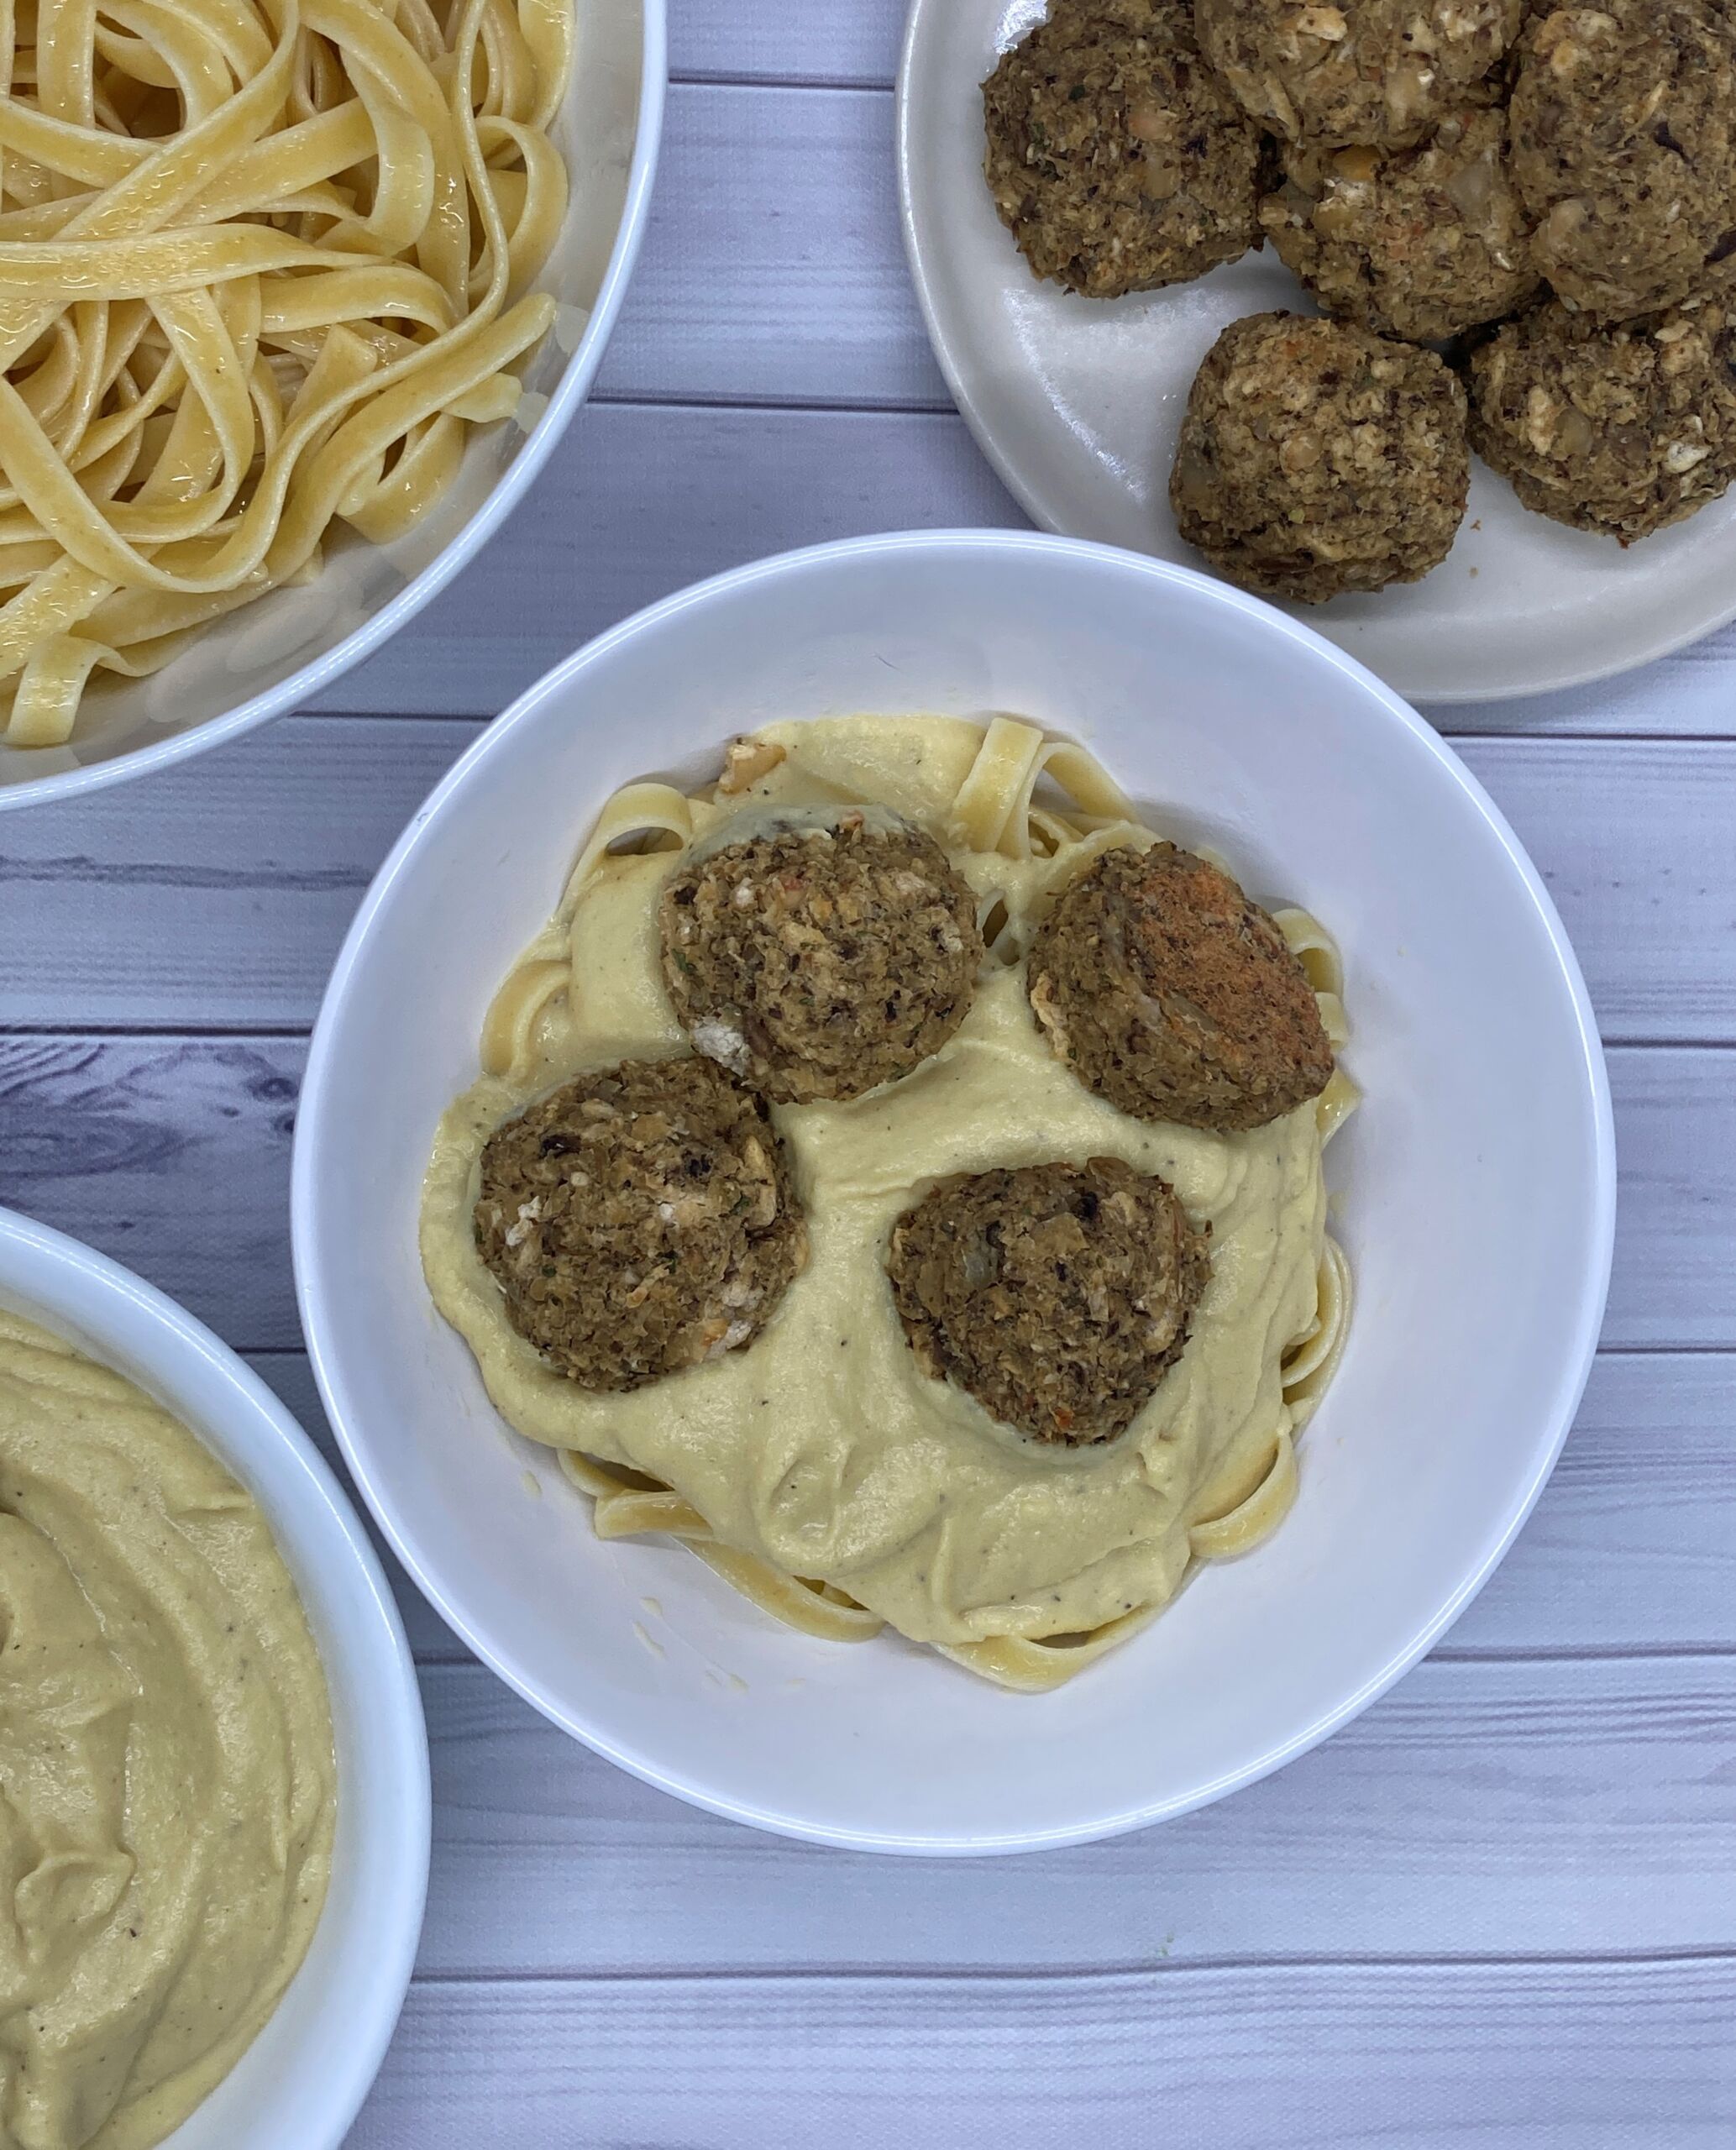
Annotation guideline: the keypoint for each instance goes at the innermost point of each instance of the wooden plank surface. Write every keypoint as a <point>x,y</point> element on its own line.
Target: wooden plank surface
<point>1499,1911</point>
<point>818,41</point>
<point>1494,2056</point>
<point>639,501</point>
<point>1469,1806</point>
<point>772,270</point>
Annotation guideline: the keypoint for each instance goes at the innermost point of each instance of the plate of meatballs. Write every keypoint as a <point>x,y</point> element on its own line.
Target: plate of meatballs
<point>1413,315</point>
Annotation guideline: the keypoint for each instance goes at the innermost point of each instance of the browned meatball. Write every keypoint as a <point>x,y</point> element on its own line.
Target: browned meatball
<point>1116,158</point>
<point>639,1221</point>
<point>1422,243</point>
<point>821,961</point>
<point>1379,71</point>
<point>1170,993</point>
<point>1316,459</point>
<point>1624,129</point>
<point>1058,1296</point>
<point>1620,430</point>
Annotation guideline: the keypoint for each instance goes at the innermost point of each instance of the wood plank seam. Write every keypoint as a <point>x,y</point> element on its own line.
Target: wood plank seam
<point>699,78</point>
<point>799,407</point>
<point>1077,1976</point>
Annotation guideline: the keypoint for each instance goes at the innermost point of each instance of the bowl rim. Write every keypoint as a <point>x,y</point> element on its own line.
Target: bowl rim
<point>565,401</point>
<point>96,1296</point>
<point>862,551</point>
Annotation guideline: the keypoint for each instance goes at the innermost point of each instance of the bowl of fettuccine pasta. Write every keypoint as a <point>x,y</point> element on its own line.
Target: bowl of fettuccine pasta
<point>297,297</point>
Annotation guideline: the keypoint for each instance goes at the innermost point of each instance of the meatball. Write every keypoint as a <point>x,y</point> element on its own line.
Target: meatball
<point>1623,127</point>
<point>1058,1296</point>
<point>1621,430</point>
<point>821,961</point>
<point>1315,459</point>
<point>1420,244</point>
<point>1115,159</point>
<point>639,1221</point>
<point>1170,993</point>
<point>1379,71</point>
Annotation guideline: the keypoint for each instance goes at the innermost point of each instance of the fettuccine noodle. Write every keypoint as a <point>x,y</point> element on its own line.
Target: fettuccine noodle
<point>262,265</point>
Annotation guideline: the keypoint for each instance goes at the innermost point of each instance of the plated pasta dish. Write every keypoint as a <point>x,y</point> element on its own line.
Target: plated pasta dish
<point>262,265</point>
<point>896,1171</point>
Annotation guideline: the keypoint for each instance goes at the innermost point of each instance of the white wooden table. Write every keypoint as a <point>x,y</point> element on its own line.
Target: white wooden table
<point>1501,1908</point>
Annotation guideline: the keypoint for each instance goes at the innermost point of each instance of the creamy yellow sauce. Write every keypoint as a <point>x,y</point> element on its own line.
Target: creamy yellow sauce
<point>167,1783</point>
<point>822,1448</point>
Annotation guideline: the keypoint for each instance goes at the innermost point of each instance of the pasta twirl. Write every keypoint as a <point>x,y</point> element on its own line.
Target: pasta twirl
<point>262,262</point>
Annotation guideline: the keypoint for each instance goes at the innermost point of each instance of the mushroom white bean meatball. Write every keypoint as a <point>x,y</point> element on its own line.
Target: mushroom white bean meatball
<point>821,961</point>
<point>1170,993</point>
<point>1058,1296</point>
<point>1332,72</point>
<point>1315,457</point>
<point>1621,430</point>
<point>639,1220</point>
<point>1117,159</point>
<point>1623,130</point>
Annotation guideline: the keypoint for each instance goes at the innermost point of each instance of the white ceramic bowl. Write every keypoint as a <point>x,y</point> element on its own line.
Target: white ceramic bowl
<point>301,2082</point>
<point>1477,1195</point>
<point>293,645</point>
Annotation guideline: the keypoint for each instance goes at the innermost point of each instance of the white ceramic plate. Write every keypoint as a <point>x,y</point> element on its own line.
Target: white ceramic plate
<point>301,2082</point>
<point>1477,1195</point>
<point>1077,403</point>
<point>291,645</point>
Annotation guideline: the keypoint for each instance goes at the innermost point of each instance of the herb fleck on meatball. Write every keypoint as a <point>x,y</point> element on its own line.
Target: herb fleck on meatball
<point>1058,1296</point>
<point>1170,993</point>
<point>821,961</point>
<point>1116,158</point>
<point>639,1221</point>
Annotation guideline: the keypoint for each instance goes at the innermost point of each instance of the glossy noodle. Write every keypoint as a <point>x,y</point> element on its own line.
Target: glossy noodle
<point>262,265</point>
